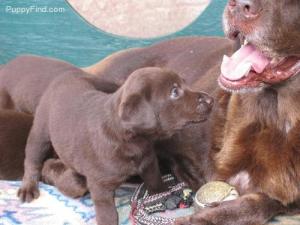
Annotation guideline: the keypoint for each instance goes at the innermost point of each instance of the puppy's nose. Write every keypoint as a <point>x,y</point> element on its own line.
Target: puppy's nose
<point>206,99</point>
<point>249,8</point>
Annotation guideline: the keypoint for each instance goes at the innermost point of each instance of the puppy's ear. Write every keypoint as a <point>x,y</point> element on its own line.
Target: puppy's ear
<point>136,113</point>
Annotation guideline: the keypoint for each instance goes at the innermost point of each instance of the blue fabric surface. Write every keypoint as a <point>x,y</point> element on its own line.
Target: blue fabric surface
<point>54,208</point>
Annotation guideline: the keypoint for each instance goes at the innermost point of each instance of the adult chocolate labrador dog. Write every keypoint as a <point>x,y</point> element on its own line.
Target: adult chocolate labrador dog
<point>258,151</point>
<point>108,137</point>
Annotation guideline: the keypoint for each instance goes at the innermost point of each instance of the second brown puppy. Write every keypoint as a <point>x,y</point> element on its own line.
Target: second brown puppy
<point>14,129</point>
<point>108,137</point>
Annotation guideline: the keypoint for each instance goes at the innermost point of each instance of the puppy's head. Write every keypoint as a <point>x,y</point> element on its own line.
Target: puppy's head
<point>157,101</point>
<point>270,32</point>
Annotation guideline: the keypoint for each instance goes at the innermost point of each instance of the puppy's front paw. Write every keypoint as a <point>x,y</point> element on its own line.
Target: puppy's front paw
<point>28,193</point>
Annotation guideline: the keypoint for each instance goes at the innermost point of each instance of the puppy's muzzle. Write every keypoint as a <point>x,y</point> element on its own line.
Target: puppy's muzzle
<point>205,103</point>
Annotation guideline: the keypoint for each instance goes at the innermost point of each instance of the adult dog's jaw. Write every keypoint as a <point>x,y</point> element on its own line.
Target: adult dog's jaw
<point>271,52</point>
<point>253,70</point>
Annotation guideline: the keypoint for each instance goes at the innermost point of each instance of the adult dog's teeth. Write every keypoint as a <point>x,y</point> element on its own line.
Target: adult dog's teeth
<point>246,42</point>
<point>276,61</point>
<point>226,59</point>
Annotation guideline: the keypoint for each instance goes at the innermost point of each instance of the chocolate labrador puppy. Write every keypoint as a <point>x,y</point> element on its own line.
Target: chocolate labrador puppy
<point>108,137</point>
<point>24,79</point>
<point>197,60</point>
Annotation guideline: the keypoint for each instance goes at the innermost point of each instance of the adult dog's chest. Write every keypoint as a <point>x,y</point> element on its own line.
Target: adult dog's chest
<point>261,145</point>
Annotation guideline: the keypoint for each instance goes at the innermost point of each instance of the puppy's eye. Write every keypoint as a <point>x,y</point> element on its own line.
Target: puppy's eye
<point>174,93</point>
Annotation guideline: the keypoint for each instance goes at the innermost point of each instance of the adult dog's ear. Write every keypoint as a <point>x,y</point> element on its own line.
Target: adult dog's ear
<point>136,113</point>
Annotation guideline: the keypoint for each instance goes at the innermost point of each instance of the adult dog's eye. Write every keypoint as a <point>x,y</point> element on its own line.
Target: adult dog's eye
<point>174,93</point>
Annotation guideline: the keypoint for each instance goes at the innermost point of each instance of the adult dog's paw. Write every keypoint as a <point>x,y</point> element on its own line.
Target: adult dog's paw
<point>218,215</point>
<point>28,193</point>
<point>192,220</point>
<point>241,211</point>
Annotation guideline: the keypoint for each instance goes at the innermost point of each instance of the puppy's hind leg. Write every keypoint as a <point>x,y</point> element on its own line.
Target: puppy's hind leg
<point>65,179</point>
<point>5,100</point>
<point>37,149</point>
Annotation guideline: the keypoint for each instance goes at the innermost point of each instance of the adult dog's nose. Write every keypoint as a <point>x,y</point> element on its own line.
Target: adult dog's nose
<point>249,8</point>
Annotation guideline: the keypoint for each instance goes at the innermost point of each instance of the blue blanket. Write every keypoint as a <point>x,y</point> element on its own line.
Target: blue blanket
<point>53,208</point>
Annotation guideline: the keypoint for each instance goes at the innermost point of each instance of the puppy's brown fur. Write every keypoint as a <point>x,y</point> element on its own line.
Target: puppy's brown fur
<point>70,183</point>
<point>14,130</point>
<point>24,80</point>
<point>107,138</point>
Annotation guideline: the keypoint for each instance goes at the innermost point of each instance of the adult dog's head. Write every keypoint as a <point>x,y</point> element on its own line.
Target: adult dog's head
<point>157,101</point>
<point>270,33</point>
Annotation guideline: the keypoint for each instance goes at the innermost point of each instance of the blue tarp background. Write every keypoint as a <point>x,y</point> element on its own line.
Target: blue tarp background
<point>67,36</point>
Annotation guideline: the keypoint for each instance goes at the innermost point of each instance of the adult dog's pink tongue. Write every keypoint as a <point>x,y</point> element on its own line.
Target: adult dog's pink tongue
<point>244,60</point>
